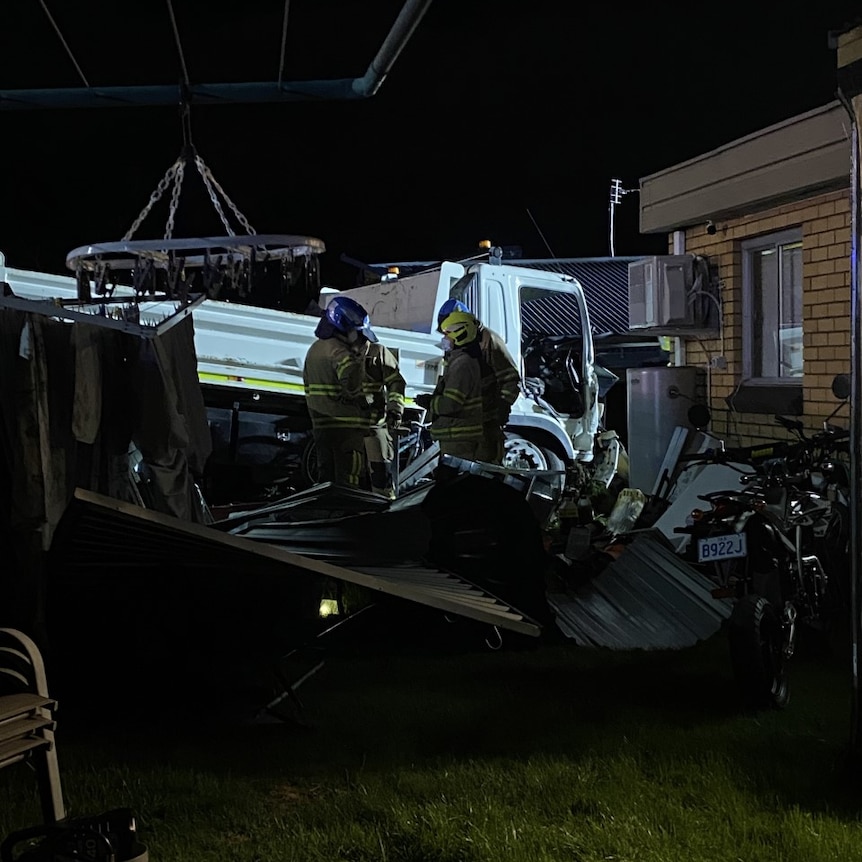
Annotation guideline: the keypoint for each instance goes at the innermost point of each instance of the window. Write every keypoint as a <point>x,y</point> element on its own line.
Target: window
<point>772,308</point>
<point>553,349</point>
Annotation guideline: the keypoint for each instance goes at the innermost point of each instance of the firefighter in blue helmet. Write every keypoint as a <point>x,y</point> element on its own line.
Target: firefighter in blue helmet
<point>334,373</point>
<point>501,380</point>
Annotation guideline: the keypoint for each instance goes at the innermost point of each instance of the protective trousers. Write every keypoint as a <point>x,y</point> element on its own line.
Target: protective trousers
<point>380,451</point>
<point>341,456</point>
<point>493,443</point>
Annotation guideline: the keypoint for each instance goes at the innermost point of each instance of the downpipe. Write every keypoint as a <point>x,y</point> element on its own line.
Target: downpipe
<point>853,106</point>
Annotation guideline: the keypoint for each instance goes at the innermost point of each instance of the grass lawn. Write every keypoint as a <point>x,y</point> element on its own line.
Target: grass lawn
<point>426,746</point>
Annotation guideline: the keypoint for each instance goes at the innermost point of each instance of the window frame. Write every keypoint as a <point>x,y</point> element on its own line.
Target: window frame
<point>748,248</point>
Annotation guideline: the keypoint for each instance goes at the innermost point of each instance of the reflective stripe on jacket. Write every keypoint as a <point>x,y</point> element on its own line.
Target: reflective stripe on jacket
<point>383,385</point>
<point>333,376</point>
<point>506,374</point>
<point>456,405</point>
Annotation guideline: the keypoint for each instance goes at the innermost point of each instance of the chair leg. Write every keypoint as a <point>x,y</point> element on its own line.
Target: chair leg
<point>50,788</point>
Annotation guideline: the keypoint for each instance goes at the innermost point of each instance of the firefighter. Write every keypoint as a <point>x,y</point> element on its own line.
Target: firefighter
<point>501,380</point>
<point>384,392</point>
<point>456,405</point>
<point>333,374</point>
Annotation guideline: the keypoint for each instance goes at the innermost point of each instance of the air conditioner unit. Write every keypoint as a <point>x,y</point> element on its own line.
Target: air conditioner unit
<point>672,294</point>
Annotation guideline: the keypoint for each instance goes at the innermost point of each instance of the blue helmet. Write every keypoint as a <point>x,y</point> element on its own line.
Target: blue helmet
<point>448,307</point>
<point>347,315</point>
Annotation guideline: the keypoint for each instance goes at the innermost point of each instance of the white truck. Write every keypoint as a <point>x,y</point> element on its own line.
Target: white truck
<point>250,363</point>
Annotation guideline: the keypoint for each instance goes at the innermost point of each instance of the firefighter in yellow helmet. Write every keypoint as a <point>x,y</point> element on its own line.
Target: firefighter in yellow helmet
<point>501,380</point>
<point>456,407</point>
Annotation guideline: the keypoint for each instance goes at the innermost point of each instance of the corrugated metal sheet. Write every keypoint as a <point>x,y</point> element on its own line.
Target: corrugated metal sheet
<point>605,281</point>
<point>648,598</point>
<point>99,532</point>
<point>556,314</point>
<point>481,527</point>
<point>341,525</point>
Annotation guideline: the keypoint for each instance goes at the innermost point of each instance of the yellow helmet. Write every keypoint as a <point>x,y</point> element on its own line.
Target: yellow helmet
<point>460,328</point>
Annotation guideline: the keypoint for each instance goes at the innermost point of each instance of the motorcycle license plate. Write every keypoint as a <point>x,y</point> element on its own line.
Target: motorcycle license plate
<point>721,548</point>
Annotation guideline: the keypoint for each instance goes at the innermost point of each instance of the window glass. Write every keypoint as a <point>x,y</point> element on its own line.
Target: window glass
<point>773,299</point>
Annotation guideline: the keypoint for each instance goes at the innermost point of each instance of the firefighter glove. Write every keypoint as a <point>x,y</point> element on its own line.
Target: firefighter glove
<point>393,420</point>
<point>423,400</point>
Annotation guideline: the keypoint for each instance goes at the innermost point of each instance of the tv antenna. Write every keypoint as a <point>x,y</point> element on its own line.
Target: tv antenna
<point>617,192</point>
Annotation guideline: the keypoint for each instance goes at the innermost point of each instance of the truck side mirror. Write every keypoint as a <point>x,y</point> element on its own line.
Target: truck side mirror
<point>699,416</point>
<point>841,386</point>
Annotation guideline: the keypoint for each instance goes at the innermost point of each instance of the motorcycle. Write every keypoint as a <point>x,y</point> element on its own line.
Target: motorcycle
<point>778,548</point>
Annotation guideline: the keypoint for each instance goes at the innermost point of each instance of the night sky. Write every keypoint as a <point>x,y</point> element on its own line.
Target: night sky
<point>499,120</point>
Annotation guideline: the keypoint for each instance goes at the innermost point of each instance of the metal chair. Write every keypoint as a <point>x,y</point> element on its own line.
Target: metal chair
<point>27,718</point>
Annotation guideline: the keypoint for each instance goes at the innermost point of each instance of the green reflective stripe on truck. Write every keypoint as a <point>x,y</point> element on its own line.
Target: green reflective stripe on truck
<point>272,385</point>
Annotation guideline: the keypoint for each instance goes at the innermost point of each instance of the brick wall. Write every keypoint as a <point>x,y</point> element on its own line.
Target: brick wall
<point>825,223</point>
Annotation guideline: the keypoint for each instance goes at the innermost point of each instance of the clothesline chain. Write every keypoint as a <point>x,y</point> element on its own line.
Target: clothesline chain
<point>175,174</point>
<point>175,199</point>
<point>210,182</point>
<point>154,197</point>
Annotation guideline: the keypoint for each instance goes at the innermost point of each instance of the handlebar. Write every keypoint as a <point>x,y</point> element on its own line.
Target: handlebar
<point>749,455</point>
<point>791,425</point>
<point>828,435</point>
<point>831,436</point>
<point>779,463</point>
<point>774,464</point>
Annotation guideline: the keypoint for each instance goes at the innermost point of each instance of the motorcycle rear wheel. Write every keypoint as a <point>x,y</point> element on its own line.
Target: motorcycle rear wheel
<point>756,654</point>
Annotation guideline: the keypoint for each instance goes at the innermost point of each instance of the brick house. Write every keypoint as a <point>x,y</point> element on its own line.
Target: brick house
<point>771,212</point>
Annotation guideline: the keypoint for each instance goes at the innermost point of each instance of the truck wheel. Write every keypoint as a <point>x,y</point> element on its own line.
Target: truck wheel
<point>308,466</point>
<point>553,461</point>
<point>522,454</point>
<point>756,653</point>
